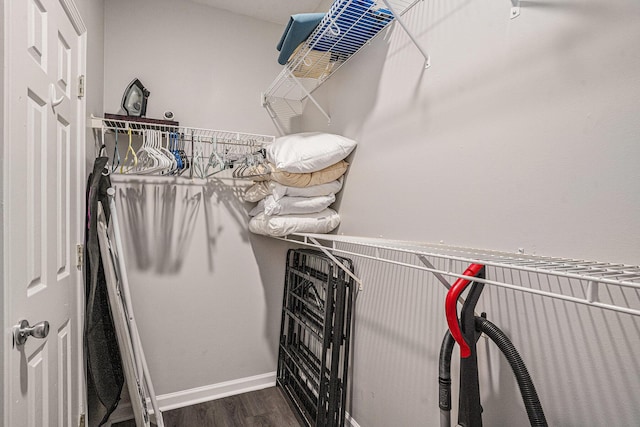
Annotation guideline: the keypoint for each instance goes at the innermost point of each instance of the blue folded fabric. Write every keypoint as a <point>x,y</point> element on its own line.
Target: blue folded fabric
<point>300,26</point>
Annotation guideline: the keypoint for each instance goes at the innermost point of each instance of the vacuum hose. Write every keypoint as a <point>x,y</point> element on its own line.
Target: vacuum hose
<point>444,379</point>
<point>527,389</point>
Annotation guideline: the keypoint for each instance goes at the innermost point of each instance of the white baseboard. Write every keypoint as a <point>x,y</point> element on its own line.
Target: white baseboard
<point>184,398</point>
<point>180,399</point>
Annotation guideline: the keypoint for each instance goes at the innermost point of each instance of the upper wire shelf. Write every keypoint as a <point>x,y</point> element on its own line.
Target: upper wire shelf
<point>140,148</point>
<point>442,260</point>
<point>345,29</point>
<point>228,136</point>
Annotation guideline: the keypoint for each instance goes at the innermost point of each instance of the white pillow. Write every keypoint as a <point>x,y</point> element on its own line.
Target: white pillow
<point>309,151</point>
<point>307,179</point>
<point>258,209</point>
<point>257,191</point>
<point>321,222</point>
<point>280,190</point>
<point>296,205</point>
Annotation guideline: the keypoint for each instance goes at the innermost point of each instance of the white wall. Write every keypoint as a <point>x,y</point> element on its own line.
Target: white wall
<point>522,134</point>
<point>204,312</point>
<point>206,65</point>
<point>536,115</point>
<point>92,13</point>
<point>3,345</point>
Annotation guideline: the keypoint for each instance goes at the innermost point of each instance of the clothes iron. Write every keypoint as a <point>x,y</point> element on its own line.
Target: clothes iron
<point>134,100</point>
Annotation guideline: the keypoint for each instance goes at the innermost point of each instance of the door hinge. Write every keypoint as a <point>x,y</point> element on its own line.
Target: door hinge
<point>81,422</point>
<point>81,86</point>
<point>79,256</point>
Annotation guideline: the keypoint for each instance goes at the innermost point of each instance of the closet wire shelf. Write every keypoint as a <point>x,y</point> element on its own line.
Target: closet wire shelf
<point>182,151</point>
<point>348,26</point>
<point>597,278</point>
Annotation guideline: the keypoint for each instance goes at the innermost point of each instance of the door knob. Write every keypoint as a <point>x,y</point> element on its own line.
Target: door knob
<point>22,331</point>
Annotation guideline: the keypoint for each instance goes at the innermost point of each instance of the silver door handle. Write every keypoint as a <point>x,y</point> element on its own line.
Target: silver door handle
<point>22,331</point>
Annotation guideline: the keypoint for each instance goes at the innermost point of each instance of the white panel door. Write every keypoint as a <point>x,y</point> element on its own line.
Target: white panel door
<point>43,209</point>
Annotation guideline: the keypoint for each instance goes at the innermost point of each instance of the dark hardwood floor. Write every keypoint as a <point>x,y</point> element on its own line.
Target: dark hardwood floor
<point>261,408</point>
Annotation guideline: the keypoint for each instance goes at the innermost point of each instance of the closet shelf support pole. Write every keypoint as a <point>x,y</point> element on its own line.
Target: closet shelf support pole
<point>396,16</point>
<point>338,263</point>
<point>439,276</point>
<point>308,95</point>
<point>432,269</point>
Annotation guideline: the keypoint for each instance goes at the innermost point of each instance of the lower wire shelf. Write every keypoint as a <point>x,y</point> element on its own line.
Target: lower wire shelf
<point>604,285</point>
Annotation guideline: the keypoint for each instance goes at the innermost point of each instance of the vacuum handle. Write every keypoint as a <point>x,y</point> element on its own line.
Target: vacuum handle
<point>450,308</point>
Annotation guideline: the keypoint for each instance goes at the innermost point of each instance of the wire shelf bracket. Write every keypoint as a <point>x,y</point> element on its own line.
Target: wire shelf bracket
<point>398,17</point>
<point>338,263</point>
<point>308,95</point>
<point>515,9</point>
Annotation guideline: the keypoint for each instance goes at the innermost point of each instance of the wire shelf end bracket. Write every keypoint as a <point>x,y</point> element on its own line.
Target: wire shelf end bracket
<point>515,9</point>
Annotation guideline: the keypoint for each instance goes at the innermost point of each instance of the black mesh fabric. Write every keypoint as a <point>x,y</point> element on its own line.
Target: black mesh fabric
<point>105,377</point>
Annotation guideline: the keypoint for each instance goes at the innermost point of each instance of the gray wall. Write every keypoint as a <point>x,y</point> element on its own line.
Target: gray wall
<point>522,134</point>
<point>3,344</point>
<point>92,12</point>
<point>205,314</point>
<point>537,115</point>
<point>206,65</point>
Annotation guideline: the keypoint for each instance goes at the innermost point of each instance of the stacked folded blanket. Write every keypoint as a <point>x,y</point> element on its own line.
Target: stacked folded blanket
<point>308,171</point>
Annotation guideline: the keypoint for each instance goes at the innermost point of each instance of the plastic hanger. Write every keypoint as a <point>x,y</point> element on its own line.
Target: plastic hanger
<point>172,163</point>
<point>173,143</point>
<point>115,163</point>
<point>214,160</point>
<point>103,148</point>
<point>146,160</point>
<point>186,162</point>
<point>198,157</point>
<point>153,148</point>
<point>134,158</point>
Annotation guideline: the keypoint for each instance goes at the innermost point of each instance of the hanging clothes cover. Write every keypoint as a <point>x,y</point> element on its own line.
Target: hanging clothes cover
<point>105,377</point>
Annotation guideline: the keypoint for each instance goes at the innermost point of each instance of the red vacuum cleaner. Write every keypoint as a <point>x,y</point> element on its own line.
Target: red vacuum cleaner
<point>466,330</point>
